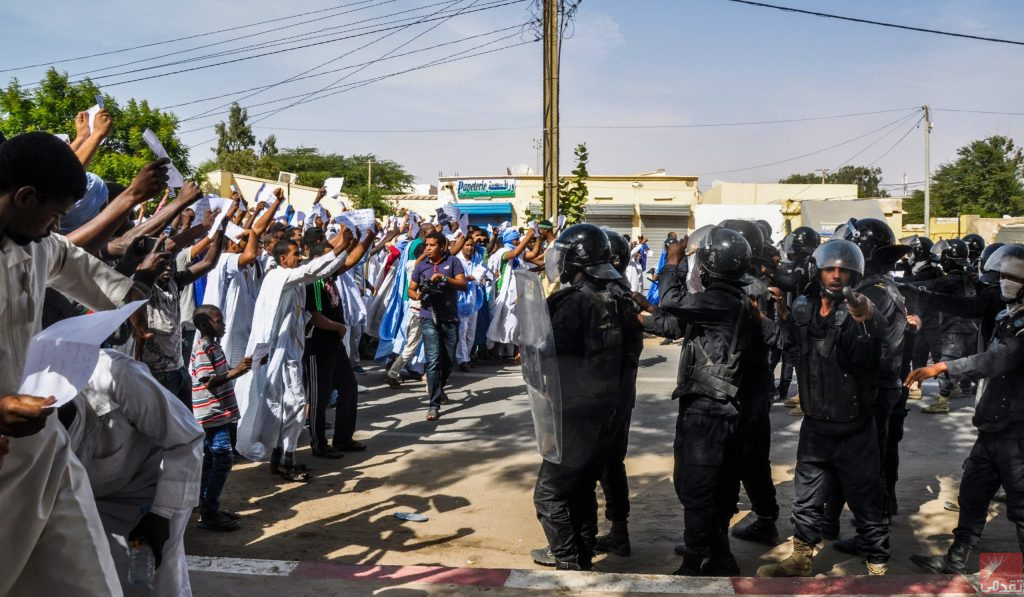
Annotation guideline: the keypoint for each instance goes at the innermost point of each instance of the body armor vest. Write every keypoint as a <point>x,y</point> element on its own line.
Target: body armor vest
<point>1000,403</point>
<point>700,375</point>
<point>827,391</point>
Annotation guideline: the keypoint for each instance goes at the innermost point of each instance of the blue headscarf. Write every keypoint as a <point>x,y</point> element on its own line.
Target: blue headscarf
<point>88,207</point>
<point>509,236</point>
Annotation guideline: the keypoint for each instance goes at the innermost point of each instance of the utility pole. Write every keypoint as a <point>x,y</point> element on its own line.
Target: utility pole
<point>904,184</point>
<point>927,172</point>
<point>538,147</point>
<point>369,175</point>
<point>551,39</point>
<point>823,171</point>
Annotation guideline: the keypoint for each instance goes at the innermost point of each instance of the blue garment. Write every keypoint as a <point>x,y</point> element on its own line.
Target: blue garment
<point>88,207</point>
<point>653,293</point>
<point>217,461</point>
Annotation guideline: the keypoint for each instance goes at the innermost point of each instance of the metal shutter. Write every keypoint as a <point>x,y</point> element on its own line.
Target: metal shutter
<point>656,229</point>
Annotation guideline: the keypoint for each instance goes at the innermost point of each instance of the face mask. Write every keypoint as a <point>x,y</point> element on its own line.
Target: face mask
<point>1010,289</point>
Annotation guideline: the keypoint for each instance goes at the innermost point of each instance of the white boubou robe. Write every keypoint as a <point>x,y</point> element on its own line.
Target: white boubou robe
<point>503,300</point>
<point>234,291</point>
<point>271,399</point>
<point>142,450</point>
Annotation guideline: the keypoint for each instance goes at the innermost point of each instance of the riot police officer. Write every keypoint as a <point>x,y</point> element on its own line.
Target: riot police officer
<point>722,354</point>
<point>998,453</point>
<point>928,341</point>
<point>958,333</point>
<point>878,244</point>
<point>837,335</point>
<point>614,483</point>
<point>975,246</point>
<point>587,328</point>
<point>791,277</point>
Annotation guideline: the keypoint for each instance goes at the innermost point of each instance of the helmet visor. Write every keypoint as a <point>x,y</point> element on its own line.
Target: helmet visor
<point>697,239</point>
<point>554,262</point>
<point>602,271</point>
<point>1007,260</point>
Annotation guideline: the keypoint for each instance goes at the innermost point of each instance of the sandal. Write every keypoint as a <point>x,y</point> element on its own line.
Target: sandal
<point>294,473</point>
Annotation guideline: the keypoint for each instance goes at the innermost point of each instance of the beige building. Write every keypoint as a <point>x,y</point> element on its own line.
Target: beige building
<point>298,196</point>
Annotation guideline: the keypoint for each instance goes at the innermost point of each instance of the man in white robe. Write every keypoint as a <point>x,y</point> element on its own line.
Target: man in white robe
<point>143,452</point>
<point>53,541</point>
<point>272,400</point>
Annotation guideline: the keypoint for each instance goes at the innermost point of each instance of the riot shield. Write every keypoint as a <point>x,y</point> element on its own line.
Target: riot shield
<point>540,365</point>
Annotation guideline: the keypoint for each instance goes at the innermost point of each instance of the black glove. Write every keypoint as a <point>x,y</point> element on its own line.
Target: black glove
<point>153,530</point>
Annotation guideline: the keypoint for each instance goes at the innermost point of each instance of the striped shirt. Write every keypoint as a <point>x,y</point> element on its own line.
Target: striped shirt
<point>212,408</point>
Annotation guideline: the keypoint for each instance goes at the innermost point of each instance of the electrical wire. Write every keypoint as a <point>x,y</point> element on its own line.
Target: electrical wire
<point>322,64</point>
<point>328,72</point>
<point>879,23</point>
<point>977,111</point>
<point>388,53</point>
<point>896,122</point>
<point>280,51</point>
<point>898,141</point>
<point>188,37</point>
<point>357,85</point>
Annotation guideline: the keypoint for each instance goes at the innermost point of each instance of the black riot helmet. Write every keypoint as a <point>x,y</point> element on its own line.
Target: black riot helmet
<point>752,234</point>
<point>581,247</point>
<point>975,245</point>
<point>837,253</point>
<point>876,241</point>
<point>619,248</point>
<point>725,257</point>
<point>766,230</point>
<point>920,245</point>
<point>950,254</point>
<point>805,241</point>
<point>988,276</point>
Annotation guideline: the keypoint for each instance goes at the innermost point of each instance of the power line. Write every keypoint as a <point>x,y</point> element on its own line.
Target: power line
<point>243,48</point>
<point>390,52</point>
<point>880,23</point>
<point>280,51</point>
<point>359,84</point>
<point>896,122</point>
<point>322,64</point>
<point>898,141</point>
<point>409,53</point>
<point>188,37</point>
<point>978,112</point>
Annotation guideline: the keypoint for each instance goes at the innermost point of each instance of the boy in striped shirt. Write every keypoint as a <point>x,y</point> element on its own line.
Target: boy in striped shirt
<point>215,408</point>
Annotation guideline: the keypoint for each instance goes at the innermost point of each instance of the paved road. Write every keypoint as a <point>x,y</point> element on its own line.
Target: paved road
<point>472,473</point>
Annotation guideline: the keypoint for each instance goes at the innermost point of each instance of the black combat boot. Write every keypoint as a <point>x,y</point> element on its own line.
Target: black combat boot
<point>761,530</point>
<point>954,562</point>
<point>691,564</point>
<point>615,542</point>
<point>721,562</point>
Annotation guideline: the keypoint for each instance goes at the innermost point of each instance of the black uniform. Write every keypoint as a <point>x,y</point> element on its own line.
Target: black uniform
<point>792,278</point>
<point>587,326</point>
<point>839,362</point>
<point>928,342</point>
<point>997,457</point>
<point>713,408</point>
<point>891,401</point>
<point>958,333</point>
<point>614,483</point>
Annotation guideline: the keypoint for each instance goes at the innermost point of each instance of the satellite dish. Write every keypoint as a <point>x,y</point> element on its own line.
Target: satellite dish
<point>520,169</point>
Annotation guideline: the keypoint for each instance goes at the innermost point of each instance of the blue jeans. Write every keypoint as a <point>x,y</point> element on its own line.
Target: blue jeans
<point>217,460</point>
<point>439,341</point>
<point>177,382</point>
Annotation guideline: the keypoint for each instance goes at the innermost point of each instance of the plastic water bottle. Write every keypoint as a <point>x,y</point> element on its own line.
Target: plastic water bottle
<point>141,564</point>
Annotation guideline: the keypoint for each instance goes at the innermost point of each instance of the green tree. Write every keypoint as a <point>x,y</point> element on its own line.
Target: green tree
<point>572,191</point>
<point>866,178</point>
<point>913,208</point>
<point>54,103</point>
<point>235,135</point>
<point>985,179</point>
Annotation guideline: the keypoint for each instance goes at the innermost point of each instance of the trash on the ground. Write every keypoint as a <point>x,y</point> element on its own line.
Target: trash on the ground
<point>411,516</point>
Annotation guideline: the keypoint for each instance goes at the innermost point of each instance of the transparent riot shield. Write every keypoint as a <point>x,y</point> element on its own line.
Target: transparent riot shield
<point>540,365</point>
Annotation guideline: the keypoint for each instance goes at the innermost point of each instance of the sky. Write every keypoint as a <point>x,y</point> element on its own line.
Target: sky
<point>647,64</point>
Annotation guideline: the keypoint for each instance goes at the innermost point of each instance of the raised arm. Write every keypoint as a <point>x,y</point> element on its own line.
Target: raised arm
<point>263,222</point>
<point>209,260</point>
<point>520,248</point>
<point>189,194</point>
<point>88,148</point>
<point>94,234</point>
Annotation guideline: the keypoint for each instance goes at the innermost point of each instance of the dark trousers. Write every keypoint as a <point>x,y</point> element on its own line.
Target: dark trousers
<point>886,404</point>
<point>993,461</point>
<point>756,472</point>
<point>851,460</point>
<point>789,361</point>
<point>565,495</point>
<point>440,338</point>
<point>614,483</point>
<point>217,461</point>
<point>325,371</point>
<point>954,346</point>
<point>928,344</point>
<point>891,462</point>
<point>177,382</point>
<point>706,477</point>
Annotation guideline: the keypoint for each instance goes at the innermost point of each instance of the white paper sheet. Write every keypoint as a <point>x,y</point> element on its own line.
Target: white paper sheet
<point>62,357</point>
<point>174,178</point>
<point>334,186</point>
<point>360,219</point>
<point>464,223</point>
<point>561,223</point>
<point>234,231</point>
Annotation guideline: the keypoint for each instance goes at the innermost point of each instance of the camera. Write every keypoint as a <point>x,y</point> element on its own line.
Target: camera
<point>431,288</point>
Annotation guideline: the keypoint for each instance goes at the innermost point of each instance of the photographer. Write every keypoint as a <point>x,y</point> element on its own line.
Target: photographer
<point>436,282</point>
